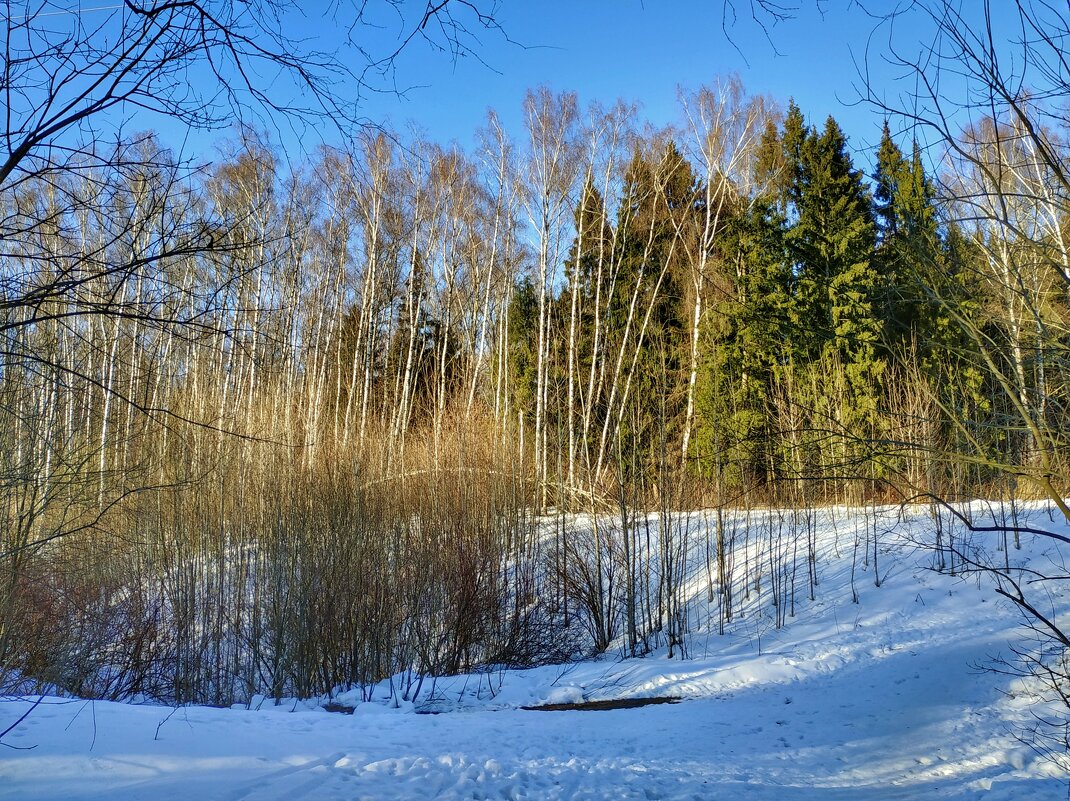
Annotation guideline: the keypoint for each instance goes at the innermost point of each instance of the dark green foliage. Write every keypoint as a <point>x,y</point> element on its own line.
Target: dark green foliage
<point>909,242</point>
<point>821,291</point>
<point>592,245</point>
<point>802,309</point>
<point>657,226</point>
<point>931,294</point>
<point>745,346</point>
<point>831,245</point>
<point>523,322</point>
<point>656,235</point>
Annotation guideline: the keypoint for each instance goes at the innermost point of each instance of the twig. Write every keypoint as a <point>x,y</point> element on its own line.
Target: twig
<point>14,725</point>
<point>160,724</point>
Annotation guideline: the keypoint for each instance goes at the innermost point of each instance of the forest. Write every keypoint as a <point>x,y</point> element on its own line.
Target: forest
<point>404,408</point>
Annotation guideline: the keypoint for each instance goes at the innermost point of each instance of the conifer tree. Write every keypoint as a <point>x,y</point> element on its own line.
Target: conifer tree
<point>805,308</point>
<point>592,233</point>
<point>926,274</point>
<point>832,243</point>
<point>522,355</point>
<point>658,225</point>
<point>908,241</point>
<point>746,338</point>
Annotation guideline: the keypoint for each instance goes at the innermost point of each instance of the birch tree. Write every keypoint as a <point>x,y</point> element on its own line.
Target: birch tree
<point>551,122</point>
<point>725,128</point>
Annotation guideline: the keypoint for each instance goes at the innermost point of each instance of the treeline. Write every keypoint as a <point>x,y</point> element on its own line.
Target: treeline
<point>281,430</point>
<point>740,304</point>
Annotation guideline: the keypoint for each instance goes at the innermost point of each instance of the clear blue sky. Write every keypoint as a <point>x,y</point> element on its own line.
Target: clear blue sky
<point>641,52</point>
<point>637,50</point>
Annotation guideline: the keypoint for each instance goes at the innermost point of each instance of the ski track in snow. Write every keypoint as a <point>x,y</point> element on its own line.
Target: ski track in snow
<point>879,700</point>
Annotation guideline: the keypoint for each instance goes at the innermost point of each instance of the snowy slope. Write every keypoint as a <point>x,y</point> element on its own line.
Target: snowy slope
<point>882,699</point>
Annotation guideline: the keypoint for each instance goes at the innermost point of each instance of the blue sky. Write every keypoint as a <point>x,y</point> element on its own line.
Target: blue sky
<point>640,52</point>
<point>604,50</point>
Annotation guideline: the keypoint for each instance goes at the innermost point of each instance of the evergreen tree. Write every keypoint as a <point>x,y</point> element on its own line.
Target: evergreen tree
<point>657,231</point>
<point>832,238</point>
<point>793,143</point>
<point>909,241</point>
<point>803,314</point>
<point>746,334</point>
<point>522,356</point>
<point>892,173</point>
<point>832,243</point>
<point>657,227</point>
<point>592,243</point>
<point>745,348</point>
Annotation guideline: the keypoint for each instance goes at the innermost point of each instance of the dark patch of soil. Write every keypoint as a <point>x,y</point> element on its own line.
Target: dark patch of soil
<point>600,706</point>
<point>340,708</point>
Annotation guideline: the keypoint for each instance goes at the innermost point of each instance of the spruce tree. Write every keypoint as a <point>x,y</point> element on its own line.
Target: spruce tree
<point>832,242</point>
<point>657,229</point>
<point>591,243</point>
<point>909,242</point>
<point>523,320</point>
<point>746,333</point>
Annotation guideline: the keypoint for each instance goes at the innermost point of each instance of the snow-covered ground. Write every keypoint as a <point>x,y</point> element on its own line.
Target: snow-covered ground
<point>882,699</point>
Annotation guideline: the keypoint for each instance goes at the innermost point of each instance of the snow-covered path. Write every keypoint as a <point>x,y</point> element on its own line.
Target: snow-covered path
<point>908,722</point>
<point>850,702</point>
<point>909,729</point>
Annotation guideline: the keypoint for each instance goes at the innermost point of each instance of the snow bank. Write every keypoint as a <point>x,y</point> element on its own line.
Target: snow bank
<point>881,699</point>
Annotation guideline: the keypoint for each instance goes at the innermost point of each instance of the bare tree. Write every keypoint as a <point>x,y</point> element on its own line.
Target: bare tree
<point>990,87</point>
<point>551,121</point>
<point>114,266</point>
<point>725,127</point>
<point>68,77</point>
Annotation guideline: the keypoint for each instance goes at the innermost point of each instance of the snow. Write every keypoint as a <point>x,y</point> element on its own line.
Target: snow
<point>883,699</point>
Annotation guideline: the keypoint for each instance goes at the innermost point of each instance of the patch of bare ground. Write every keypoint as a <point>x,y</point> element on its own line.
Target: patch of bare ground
<point>601,706</point>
